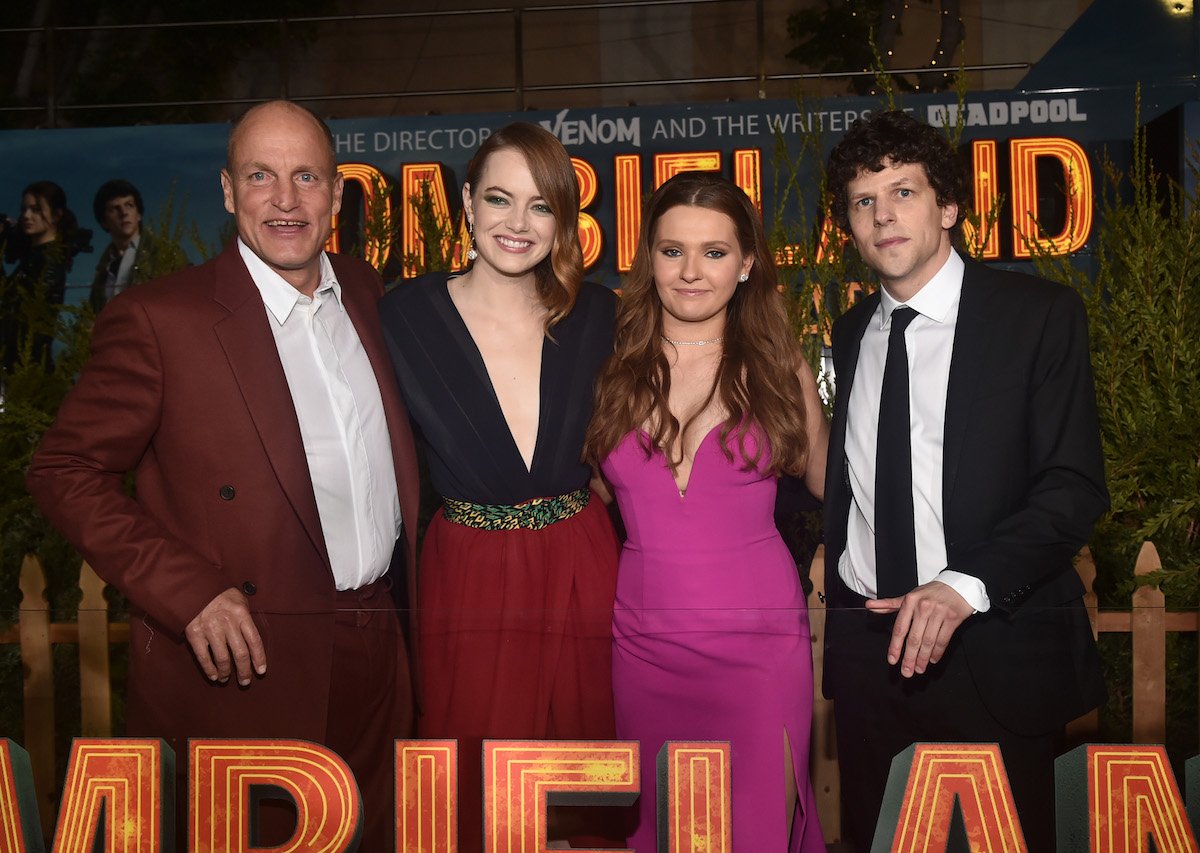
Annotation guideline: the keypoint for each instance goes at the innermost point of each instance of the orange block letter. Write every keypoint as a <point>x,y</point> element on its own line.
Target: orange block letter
<point>1077,189</point>
<point>228,776</point>
<point>936,790</point>
<point>591,236</point>
<point>19,829</point>
<point>747,174</point>
<point>1132,796</point>
<point>521,778</point>
<point>984,241</point>
<point>628,171</point>
<point>694,787</point>
<point>413,243</point>
<point>122,790</point>
<point>667,166</point>
<point>377,201</point>
<point>427,795</point>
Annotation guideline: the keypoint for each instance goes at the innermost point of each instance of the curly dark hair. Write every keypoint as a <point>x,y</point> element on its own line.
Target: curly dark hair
<point>896,136</point>
<point>116,188</point>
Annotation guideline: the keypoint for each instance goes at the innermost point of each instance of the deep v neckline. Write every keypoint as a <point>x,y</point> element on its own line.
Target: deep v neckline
<point>687,487</point>
<point>475,355</point>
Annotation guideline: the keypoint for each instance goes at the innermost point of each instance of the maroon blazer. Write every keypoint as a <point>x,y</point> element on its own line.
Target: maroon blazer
<point>185,388</point>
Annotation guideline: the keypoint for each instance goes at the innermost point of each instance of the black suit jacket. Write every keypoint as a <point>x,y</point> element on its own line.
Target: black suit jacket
<point>1023,485</point>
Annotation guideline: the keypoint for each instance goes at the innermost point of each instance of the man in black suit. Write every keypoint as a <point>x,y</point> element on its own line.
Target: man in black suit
<point>956,614</point>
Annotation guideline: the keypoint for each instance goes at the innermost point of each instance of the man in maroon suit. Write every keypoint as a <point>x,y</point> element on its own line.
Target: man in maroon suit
<point>253,398</point>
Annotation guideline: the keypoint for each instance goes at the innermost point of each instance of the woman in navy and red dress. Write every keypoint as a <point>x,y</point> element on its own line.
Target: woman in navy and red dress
<point>518,567</point>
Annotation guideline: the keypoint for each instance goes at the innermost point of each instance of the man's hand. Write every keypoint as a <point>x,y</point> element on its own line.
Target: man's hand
<point>224,638</point>
<point>928,617</point>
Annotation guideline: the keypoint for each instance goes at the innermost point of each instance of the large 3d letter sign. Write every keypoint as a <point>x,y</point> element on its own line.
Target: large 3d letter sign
<point>948,796</point>
<point>112,799</point>
<point>119,797</point>
<point>114,791</point>
<point>427,795</point>
<point>521,779</point>
<point>694,798</point>
<point>1131,796</point>
<point>227,777</point>
<point>18,801</point>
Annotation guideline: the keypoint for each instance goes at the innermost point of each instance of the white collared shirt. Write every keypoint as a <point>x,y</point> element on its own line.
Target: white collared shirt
<point>342,423</point>
<point>930,341</point>
<point>125,271</point>
<point>118,279</point>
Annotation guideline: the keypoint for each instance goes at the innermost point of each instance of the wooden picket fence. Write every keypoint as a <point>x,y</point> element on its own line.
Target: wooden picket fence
<point>1147,620</point>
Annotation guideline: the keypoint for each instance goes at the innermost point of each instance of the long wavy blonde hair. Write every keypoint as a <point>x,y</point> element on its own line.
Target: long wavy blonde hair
<point>756,381</point>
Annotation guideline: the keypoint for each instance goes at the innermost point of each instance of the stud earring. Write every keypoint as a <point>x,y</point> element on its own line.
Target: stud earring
<point>471,253</point>
<point>743,278</point>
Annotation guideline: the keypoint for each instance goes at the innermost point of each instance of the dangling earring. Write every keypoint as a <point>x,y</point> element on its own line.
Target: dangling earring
<point>743,278</point>
<point>471,253</point>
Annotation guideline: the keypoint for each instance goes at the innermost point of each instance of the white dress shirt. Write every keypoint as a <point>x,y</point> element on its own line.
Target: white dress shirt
<point>125,271</point>
<point>930,341</point>
<point>119,276</point>
<point>341,418</point>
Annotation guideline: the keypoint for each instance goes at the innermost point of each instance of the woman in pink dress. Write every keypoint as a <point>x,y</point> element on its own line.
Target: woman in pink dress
<point>705,402</point>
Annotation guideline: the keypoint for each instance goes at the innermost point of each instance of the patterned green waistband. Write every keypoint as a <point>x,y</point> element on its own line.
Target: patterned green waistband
<point>530,515</point>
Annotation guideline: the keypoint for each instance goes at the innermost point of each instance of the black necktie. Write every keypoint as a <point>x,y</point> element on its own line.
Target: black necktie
<point>895,541</point>
<point>114,269</point>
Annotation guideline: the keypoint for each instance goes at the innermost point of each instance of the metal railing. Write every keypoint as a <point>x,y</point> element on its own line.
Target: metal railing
<point>45,43</point>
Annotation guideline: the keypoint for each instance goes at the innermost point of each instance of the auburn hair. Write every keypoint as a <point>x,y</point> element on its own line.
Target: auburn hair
<point>756,380</point>
<point>560,274</point>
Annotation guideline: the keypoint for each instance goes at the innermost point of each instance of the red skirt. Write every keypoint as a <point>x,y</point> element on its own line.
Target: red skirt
<point>516,639</point>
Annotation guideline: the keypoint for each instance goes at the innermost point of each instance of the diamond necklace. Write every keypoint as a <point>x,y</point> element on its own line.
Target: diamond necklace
<point>703,343</point>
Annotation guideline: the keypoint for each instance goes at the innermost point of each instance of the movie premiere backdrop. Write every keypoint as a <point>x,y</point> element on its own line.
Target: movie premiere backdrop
<point>1022,147</point>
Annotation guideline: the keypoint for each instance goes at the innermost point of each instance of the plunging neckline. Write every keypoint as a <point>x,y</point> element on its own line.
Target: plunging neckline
<point>473,352</point>
<point>683,492</point>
